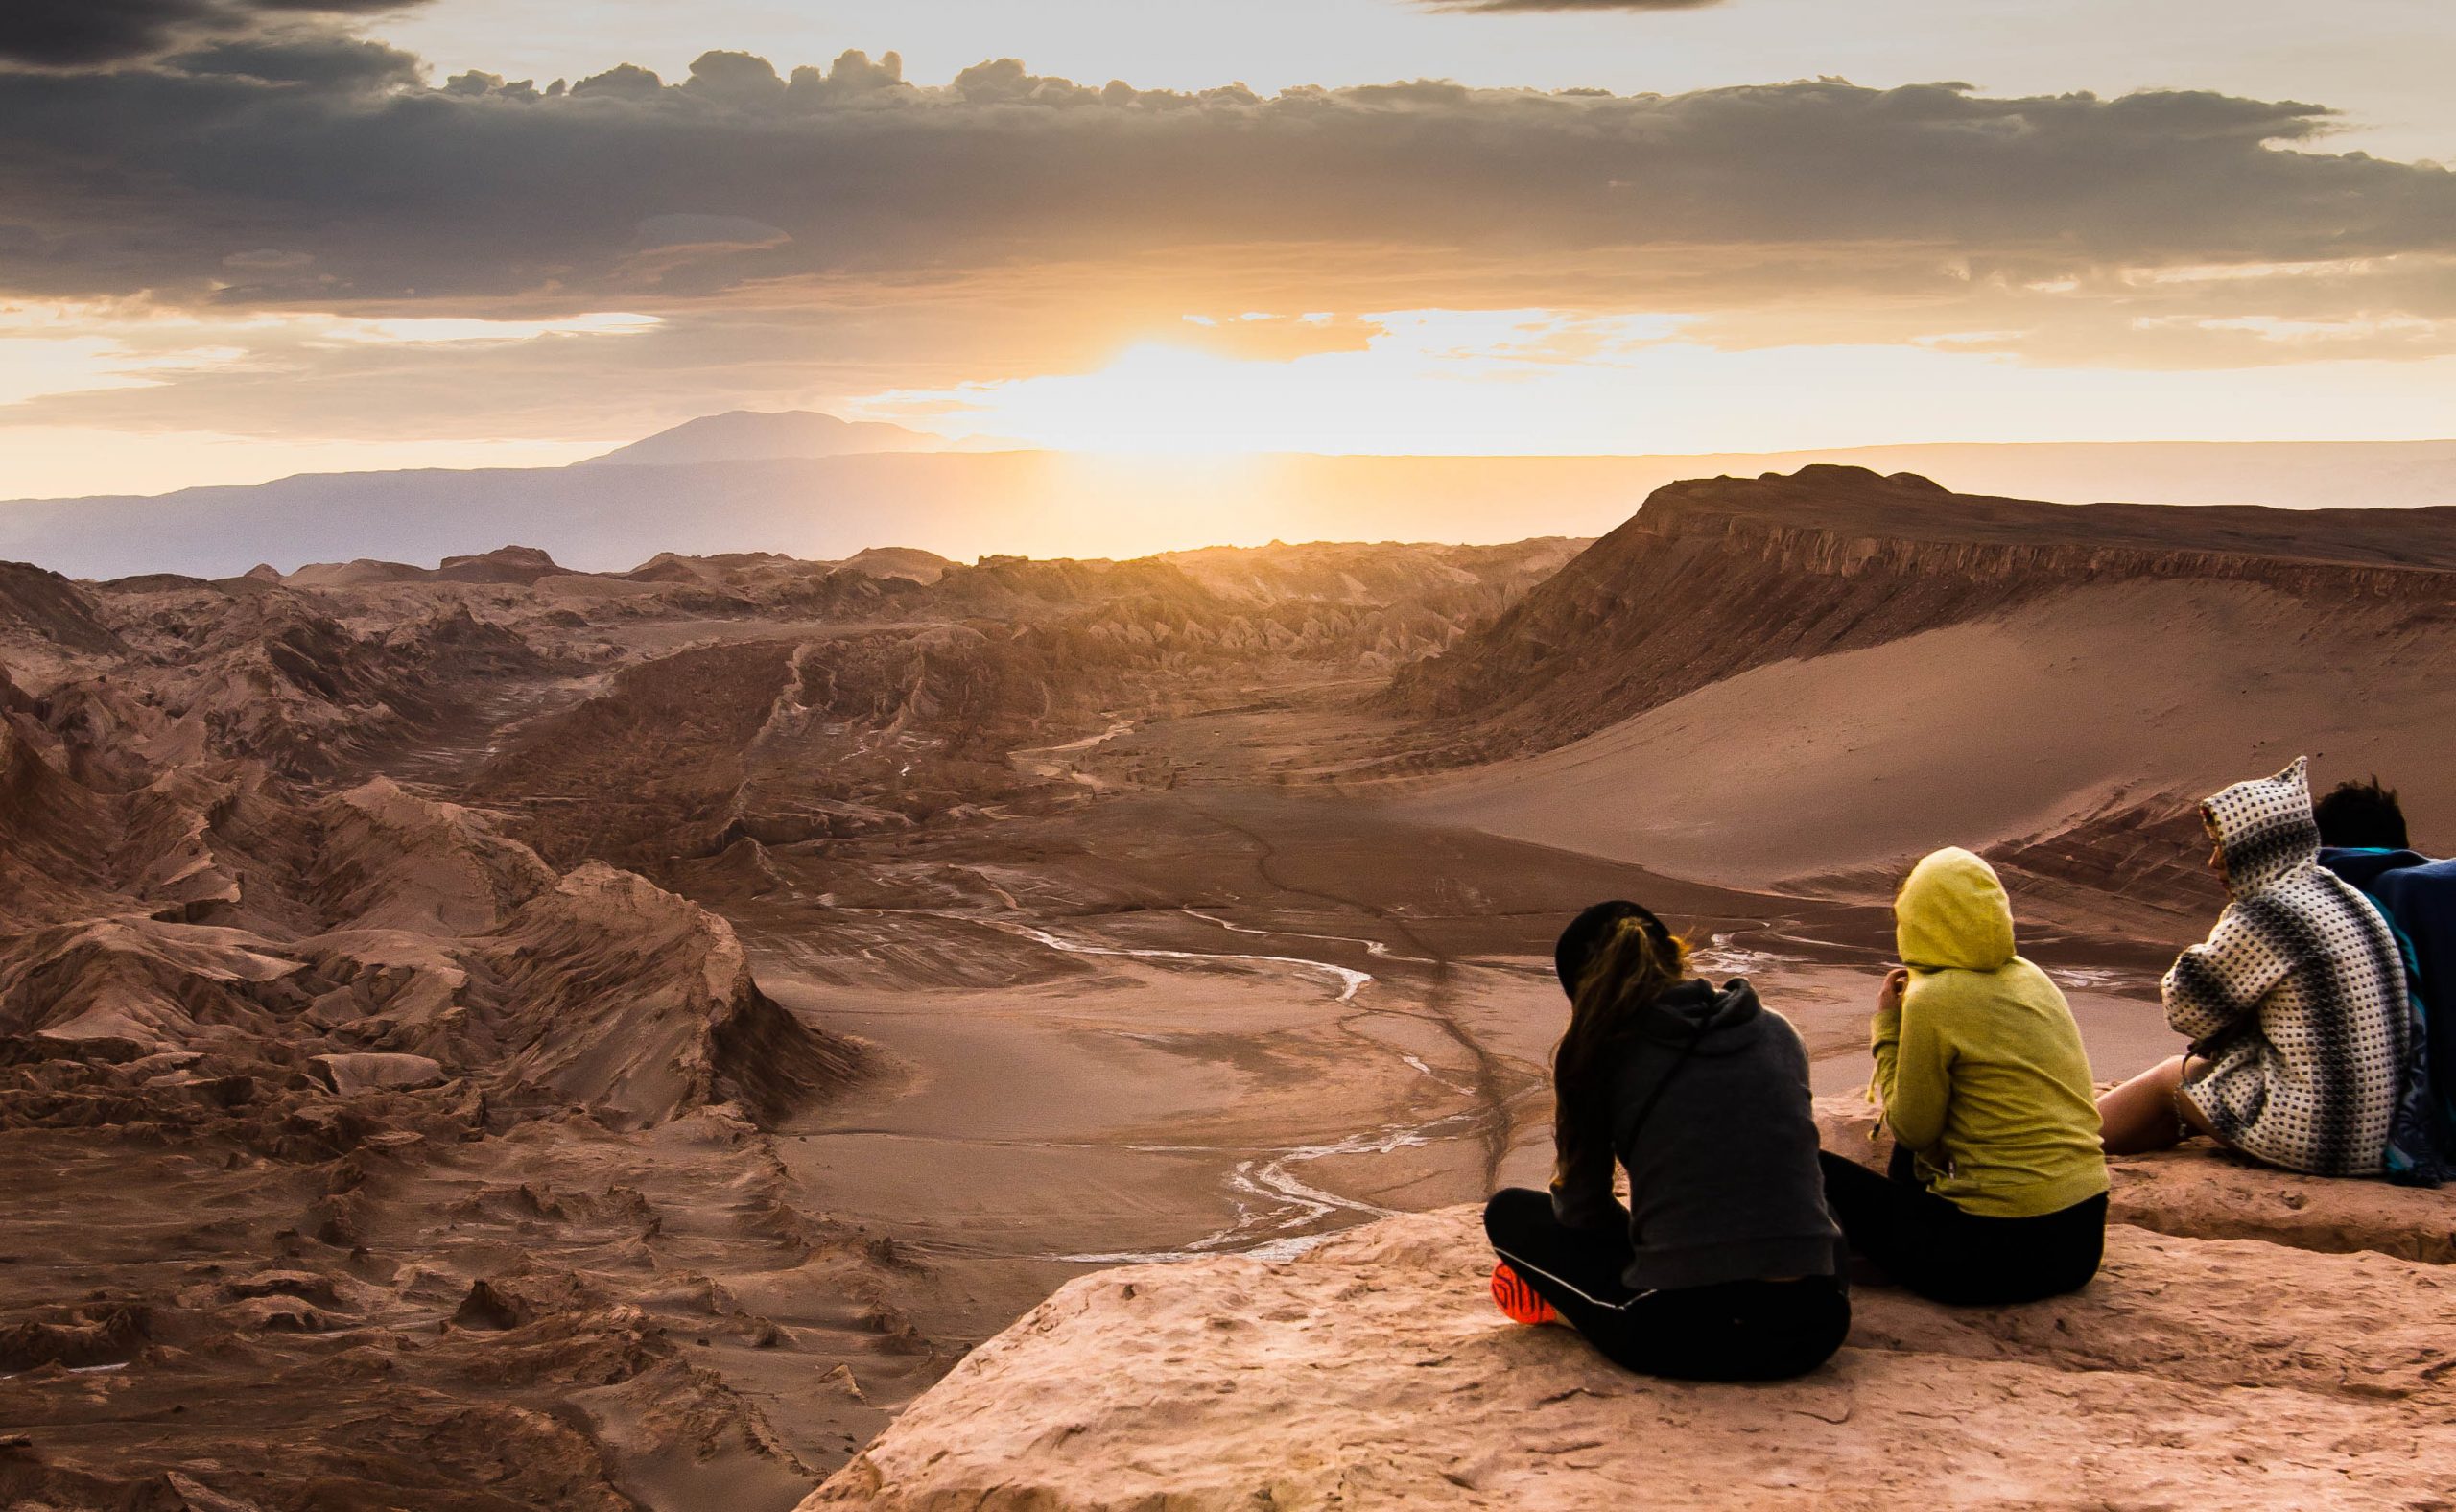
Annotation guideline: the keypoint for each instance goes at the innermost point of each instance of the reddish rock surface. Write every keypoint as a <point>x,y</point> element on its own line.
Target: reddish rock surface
<point>2197,1369</point>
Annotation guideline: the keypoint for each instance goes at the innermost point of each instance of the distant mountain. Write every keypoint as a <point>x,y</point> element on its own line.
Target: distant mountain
<point>748,435</point>
<point>607,517</point>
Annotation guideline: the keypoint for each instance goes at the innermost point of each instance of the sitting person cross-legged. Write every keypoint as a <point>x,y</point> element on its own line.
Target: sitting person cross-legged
<point>1998,1192</point>
<point>2295,1006</point>
<point>1725,1264</point>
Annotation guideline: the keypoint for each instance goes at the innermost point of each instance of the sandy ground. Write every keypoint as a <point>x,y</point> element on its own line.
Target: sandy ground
<point>1984,732</point>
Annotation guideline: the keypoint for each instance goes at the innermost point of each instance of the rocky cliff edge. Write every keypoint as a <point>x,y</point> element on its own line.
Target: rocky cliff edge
<point>2254,1341</point>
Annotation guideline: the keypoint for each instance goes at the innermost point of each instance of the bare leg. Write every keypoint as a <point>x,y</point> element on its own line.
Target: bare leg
<point>2140,1115</point>
<point>2195,1118</point>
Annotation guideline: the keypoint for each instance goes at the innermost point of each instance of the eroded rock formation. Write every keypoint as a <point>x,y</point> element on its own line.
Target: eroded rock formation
<point>294,1061</point>
<point>380,1134</point>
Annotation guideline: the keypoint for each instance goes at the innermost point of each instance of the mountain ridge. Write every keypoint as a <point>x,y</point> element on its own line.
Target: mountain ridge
<point>1888,546</point>
<point>966,504</point>
<point>1812,680</point>
<point>739,435</point>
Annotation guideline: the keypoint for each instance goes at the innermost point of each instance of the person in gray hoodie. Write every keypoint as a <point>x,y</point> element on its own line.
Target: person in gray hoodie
<point>1726,1263</point>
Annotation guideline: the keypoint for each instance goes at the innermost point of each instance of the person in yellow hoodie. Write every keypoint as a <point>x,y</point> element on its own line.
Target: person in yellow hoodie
<point>1998,1188</point>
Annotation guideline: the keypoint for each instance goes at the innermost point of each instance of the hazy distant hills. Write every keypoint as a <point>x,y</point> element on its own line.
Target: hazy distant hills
<point>748,435</point>
<point>610,515</point>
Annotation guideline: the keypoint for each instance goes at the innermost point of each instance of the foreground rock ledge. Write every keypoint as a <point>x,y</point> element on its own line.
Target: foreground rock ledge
<point>2200,1372</point>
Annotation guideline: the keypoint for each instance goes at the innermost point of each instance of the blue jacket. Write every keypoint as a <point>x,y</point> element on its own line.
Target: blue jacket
<point>2419,897</point>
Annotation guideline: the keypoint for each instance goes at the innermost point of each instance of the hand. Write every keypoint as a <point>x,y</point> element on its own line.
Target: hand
<point>1889,995</point>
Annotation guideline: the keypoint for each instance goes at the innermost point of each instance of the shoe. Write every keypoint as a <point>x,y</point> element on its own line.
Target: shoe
<point>1518,1300</point>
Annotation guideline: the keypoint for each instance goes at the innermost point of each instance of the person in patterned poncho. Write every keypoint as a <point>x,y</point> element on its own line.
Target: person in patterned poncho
<point>2295,1006</point>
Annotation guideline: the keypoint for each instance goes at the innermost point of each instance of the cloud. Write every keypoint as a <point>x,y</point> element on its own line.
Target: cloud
<point>151,178</point>
<point>318,59</point>
<point>388,378</point>
<point>67,34</point>
<point>838,230</point>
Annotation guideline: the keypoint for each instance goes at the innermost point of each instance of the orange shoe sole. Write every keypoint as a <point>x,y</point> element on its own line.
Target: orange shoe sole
<point>1517,1300</point>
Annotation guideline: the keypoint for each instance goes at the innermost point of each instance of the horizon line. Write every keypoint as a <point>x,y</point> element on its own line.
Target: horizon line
<point>1226,457</point>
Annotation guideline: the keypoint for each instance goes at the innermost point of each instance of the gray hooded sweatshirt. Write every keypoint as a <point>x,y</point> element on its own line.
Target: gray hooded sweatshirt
<point>1724,1183</point>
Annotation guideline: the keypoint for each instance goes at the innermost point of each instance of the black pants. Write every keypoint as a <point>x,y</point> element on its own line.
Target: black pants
<point>1737,1331</point>
<point>1926,1243</point>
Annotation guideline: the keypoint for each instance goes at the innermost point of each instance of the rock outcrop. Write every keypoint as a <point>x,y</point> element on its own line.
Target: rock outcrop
<point>358,1157</point>
<point>211,931</point>
<point>2314,1364</point>
<point>39,604</point>
<point>617,996</point>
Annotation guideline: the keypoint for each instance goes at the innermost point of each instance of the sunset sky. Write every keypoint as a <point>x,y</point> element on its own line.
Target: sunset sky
<point>244,238</point>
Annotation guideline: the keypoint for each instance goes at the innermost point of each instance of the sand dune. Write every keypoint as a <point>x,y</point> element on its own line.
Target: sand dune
<point>2034,724</point>
<point>1804,680</point>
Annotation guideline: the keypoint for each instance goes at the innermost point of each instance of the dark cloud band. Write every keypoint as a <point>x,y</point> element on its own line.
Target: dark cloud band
<point>375,189</point>
<point>844,230</point>
<point>63,33</point>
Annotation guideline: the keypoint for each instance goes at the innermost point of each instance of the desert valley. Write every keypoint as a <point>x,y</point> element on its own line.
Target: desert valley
<point>810,757</point>
<point>491,1035</point>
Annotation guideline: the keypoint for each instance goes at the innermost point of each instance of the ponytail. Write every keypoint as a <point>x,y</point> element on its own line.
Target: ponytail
<point>1631,964</point>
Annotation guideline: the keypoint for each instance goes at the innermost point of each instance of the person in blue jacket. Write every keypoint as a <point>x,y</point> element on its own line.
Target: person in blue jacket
<point>2364,840</point>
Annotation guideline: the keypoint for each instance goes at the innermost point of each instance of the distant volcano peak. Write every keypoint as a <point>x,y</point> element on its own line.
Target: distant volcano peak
<point>741,435</point>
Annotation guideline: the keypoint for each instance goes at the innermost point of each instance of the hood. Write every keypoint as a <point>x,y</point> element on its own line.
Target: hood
<point>1717,1019</point>
<point>2363,865</point>
<point>2264,827</point>
<point>1951,913</point>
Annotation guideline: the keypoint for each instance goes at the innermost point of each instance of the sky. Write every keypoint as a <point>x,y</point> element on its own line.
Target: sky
<point>246,238</point>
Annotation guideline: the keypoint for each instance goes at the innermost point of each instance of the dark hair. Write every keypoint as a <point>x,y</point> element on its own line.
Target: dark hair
<point>1614,960</point>
<point>2361,814</point>
<point>1575,949</point>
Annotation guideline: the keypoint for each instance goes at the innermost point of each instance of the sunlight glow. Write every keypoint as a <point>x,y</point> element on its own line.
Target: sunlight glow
<point>1450,382</point>
<point>447,328</point>
<point>82,347</point>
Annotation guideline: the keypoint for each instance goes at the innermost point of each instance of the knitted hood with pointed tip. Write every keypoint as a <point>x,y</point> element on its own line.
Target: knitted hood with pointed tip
<point>2263,828</point>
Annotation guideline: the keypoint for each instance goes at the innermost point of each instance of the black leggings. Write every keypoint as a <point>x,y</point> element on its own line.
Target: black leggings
<point>1737,1331</point>
<point>1937,1250</point>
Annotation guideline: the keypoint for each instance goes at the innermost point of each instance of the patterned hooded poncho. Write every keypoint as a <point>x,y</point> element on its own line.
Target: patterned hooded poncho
<point>2298,999</point>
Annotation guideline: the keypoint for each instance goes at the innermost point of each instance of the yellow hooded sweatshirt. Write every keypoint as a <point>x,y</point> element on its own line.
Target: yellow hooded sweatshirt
<point>1981,1069</point>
